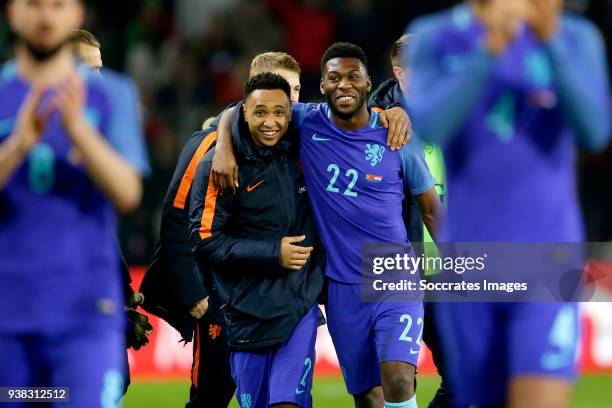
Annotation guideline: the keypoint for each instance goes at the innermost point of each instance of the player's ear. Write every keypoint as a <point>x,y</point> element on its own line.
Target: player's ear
<point>398,73</point>
<point>244,113</point>
<point>321,87</point>
<point>369,84</point>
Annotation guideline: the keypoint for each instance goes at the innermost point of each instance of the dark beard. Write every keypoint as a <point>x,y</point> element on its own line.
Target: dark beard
<point>344,115</point>
<point>41,54</point>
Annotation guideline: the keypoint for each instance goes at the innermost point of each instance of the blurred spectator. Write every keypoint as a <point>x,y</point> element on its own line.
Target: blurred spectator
<point>188,58</point>
<point>354,15</point>
<point>310,28</point>
<point>194,17</point>
<point>151,50</point>
<point>254,30</point>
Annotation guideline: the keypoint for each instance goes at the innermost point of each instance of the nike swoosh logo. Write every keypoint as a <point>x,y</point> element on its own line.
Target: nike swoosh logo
<point>318,138</point>
<point>299,392</point>
<point>414,351</point>
<point>254,186</point>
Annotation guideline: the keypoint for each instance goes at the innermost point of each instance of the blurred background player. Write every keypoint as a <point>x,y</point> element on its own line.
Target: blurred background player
<point>86,47</point>
<point>176,290</point>
<point>419,212</point>
<point>262,245</point>
<point>510,88</point>
<point>73,151</point>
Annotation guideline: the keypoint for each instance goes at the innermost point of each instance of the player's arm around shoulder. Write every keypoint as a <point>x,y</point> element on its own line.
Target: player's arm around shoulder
<point>206,207</point>
<point>224,168</point>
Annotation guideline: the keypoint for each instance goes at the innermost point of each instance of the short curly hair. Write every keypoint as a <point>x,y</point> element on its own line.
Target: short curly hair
<point>267,80</point>
<point>344,50</point>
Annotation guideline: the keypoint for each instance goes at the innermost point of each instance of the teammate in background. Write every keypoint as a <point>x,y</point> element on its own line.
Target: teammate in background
<point>280,63</point>
<point>265,253</point>
<point>356,191</point>
<point>71,149</point>
<point>424,207</point>
<point>510,88</point>
<point>86,47</point>
<point>174,287</point>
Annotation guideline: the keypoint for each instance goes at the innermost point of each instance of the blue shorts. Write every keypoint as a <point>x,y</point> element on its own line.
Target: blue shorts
<point>486,344</point>
<point>282,375</point>
<point>90,361</point>
<point>367,334</point>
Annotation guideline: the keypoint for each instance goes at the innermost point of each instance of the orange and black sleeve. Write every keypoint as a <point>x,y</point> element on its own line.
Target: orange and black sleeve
<point>213,236</point>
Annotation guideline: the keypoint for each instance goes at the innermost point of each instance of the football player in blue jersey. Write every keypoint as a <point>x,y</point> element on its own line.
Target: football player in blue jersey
<point>71,153</point>
<point>86,47</point>
<point>355,187</point>
<point>510,88</point>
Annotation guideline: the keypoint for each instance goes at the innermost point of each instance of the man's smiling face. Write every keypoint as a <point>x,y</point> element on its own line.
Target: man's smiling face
<point>345,84</point>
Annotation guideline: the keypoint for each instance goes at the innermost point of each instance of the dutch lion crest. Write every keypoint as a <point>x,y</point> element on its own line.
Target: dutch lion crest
<point>374,153</point>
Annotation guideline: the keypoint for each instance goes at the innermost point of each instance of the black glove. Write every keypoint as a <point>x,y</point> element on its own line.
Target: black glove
<point>138,324</point>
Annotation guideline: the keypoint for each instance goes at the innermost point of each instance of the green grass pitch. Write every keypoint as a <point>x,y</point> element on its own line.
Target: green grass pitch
<point>592,391</point>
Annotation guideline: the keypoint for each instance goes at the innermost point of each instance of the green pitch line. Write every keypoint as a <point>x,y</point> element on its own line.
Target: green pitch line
<point>592,391</point>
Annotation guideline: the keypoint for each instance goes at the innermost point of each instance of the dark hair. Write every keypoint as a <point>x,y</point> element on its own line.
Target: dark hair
<point>344,50</point>
<point>267,80</point>
<point>399,51</point>
<point>79,37</point>
<point>269,61</point>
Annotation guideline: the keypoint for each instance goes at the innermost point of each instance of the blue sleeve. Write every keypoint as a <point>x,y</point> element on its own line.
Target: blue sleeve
<point>300,111</point>
<point>579,67</point>
<point>415,172</point>
<point>125,130</point>
<point>444,88</point>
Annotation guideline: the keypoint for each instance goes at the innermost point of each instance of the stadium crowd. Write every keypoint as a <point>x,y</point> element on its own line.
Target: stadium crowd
<point>190,58</point>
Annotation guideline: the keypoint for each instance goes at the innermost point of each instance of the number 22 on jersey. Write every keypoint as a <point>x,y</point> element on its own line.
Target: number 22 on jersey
<point>350,174</point>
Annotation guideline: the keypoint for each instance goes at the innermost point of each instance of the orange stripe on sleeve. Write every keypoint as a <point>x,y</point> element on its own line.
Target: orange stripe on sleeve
<point>183,190</point>
<point>210,202</point>
<point>377,109</point>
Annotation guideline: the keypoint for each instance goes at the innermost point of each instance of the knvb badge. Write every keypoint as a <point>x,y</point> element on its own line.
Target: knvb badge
<point>373,178</point>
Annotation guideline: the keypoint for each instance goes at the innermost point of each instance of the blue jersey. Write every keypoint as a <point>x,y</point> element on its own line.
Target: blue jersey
<point>355,185</point>
<point>509,124</point>
<point>58,246</point>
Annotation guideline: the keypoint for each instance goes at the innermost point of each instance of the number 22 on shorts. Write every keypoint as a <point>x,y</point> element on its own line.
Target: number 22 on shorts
<point>404,336</point>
